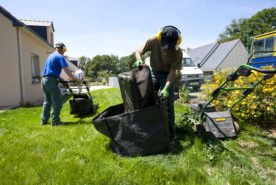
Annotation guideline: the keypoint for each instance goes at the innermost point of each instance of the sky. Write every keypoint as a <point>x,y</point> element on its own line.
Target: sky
<point>96,27</point>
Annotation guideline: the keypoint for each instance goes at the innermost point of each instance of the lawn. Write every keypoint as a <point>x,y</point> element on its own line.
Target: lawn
<point>78,154</point>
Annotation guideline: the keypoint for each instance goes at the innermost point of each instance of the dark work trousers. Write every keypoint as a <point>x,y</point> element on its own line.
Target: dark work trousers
<point>159,80</point>
<point>52,98</point>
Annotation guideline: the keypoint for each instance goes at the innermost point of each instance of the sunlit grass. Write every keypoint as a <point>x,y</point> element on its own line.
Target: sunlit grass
<point>78,154</point>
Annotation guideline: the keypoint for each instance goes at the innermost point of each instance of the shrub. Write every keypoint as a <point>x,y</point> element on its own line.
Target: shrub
<point>184,94</point>
<point>104,75</point>
<point>89,79</point>
<point>258,107</point>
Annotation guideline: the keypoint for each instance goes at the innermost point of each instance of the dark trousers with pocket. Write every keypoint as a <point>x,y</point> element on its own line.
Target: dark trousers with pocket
<point>52,98</point>
<point>159,80</point>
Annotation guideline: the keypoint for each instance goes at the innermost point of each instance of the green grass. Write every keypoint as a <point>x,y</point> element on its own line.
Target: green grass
<point>78,154</point>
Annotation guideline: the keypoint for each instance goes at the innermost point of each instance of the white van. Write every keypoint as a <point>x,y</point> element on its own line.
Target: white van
<point>191,75</point>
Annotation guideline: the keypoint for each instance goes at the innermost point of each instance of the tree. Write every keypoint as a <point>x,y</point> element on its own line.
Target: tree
<point>126,63</point>
<point>103,66</point>
<point>82,61</point>
<point>101,63</point>
<point>115,61</point>
<point>245,28</point>
<point>263,21</point>
<point>237,29</point>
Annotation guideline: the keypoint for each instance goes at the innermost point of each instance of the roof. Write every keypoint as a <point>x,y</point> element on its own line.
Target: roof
<point>18,23</point>
<point>210,56</point>
<point>219,54</point>
<point>72,58</point>
<point>264,34</point>
<point>37,23</point>
<point>199,53</point>
<point>14,20</point>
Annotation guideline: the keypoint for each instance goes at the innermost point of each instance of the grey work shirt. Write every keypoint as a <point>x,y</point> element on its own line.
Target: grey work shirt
<point>160,59</point>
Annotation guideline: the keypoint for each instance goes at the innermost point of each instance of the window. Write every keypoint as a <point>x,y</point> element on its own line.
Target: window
<point>269,45</point>
<point>35,69</point>
<point>259,47</point>
<point>187,62</point>
<point>264,47</point>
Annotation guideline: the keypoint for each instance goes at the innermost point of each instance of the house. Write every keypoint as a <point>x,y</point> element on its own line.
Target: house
<point>217,56</point>
<point>45,29</point>
<point>24,47</point>
<point>73,60</point>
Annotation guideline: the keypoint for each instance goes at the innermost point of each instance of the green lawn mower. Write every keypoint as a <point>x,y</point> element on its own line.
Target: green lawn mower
<point>221,124</point>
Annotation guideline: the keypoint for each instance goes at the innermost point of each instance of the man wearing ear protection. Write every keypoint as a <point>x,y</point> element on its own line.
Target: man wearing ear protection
<point>165,59</point>
<point>50,85</point>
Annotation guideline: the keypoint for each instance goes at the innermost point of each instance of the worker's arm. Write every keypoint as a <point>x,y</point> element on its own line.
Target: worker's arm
<point>139,61</point>
<point>147,46</point>
<point>71,74</point>
<point>137,55</point>
<point>170,77</point>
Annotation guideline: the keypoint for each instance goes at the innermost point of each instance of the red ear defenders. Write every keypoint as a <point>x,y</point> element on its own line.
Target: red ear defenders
<point>159,34</point>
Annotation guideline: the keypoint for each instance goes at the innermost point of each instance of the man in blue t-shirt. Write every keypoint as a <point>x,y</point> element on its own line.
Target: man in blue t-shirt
<point>50,86</point>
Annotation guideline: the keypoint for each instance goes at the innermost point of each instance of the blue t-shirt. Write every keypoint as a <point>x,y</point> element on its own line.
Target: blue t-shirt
<point>54,63</point>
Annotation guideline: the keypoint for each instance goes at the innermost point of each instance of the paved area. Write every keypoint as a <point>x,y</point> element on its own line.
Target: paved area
<point>91,88</point>
<point>194,96</point>
<point>74,88</point>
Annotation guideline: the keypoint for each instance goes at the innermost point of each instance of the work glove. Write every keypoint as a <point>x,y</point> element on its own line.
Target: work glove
<point>137,63</point>
<point>165,91</point>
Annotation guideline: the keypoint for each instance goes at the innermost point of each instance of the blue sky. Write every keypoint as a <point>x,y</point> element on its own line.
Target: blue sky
<point>119,27</point>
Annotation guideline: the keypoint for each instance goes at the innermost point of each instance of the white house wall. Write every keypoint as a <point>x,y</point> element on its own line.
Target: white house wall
<point>32,46</point>
<point>9,69</point>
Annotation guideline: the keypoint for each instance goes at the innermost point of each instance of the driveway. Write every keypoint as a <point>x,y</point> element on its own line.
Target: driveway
<point>91,88</point>
<point>194,96</point>
<point>75,89</point>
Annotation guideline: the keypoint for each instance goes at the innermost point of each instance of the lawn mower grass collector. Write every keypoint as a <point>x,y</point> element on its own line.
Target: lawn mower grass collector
<point>81,104</point>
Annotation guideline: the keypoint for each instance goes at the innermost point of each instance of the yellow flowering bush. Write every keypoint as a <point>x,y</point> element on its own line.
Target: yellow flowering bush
<point>258,107</point>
